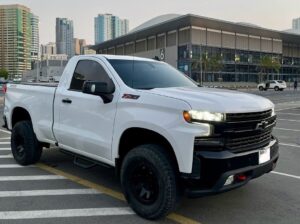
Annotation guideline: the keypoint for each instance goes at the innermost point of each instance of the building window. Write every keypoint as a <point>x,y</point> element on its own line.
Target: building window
<point>171,39</point>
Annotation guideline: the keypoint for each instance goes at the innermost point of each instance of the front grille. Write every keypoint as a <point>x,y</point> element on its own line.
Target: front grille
<point>244,117</point>
<point>241,132</point>
<point>250,142</point>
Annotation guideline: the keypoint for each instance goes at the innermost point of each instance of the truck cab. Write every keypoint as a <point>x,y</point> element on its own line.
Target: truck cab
<point>165,135</point>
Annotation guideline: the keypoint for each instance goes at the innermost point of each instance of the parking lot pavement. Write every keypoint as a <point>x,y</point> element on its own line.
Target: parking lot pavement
<point>57,191</point>
<point>36,195</point>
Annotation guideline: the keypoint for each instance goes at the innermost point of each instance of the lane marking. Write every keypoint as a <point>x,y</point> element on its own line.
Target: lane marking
<point>4,143</point>
<point>5,138</point>
<point>287,129</point>
<point>286,174</point>
<point>36,177</point>
<point>47,192</point>
<point>289,114</point>
<point>288,120</point>
<point>42,214</point>
<point>6,156</point>
<point>291,145</point>
<point>7,132</point>
<point>115,194</point>
<point>7,166</point>
<point>4,149</point>
<point>289,108</point>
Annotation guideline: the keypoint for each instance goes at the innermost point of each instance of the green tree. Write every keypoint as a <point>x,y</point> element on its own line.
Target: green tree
<point>216,64</point>
<point>267,64</point>
<point>207,64</point>
<point>3,73</point>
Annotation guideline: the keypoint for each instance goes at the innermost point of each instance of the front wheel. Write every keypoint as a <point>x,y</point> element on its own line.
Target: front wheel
<point>149,181</point>
<point>261,88</point>
<point>25,147</point>
<point>276,88</point>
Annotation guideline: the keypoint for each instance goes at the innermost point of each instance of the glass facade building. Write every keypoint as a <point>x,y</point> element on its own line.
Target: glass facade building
<point>213,50</point>
<point>108,26</point>
<point>65,37</point>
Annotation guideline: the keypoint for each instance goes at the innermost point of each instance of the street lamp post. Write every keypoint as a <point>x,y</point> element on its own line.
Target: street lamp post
<point>201,74</point>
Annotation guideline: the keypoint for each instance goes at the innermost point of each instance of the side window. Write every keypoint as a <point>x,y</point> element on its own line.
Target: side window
<point>87,70</point>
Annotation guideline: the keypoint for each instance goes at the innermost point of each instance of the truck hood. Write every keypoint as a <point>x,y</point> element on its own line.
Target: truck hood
<point>216,100</point>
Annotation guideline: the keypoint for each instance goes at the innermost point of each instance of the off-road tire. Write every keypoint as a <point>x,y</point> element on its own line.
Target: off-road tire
<point>25,147</point>
<point>156,159</point>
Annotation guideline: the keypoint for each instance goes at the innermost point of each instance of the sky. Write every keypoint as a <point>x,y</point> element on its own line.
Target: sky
<point>272,14</point>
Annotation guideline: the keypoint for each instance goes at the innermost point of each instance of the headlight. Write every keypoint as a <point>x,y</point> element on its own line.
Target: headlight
<point>273,112</point>
<point>198,116</point>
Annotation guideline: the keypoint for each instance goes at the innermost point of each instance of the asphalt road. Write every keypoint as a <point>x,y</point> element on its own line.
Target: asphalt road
<point>57,191</point>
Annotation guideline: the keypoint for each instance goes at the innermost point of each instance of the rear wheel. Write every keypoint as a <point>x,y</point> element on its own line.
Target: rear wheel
<point>149,181</point>
<point>25,147</point>
<point>261,88</point>
<point>276,88</point>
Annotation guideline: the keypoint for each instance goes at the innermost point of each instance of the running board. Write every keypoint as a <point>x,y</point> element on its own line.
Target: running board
<point>83,162</point>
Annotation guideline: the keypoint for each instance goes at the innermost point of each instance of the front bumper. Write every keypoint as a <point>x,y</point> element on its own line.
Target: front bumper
<point>211,170</point>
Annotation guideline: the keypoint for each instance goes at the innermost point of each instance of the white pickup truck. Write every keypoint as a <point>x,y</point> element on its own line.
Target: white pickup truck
<point>163,133</point>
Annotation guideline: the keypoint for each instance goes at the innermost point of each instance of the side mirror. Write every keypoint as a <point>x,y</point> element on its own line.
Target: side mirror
<point>102,89</point>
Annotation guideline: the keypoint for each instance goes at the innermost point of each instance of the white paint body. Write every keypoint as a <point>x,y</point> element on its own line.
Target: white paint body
<point>93,129</point>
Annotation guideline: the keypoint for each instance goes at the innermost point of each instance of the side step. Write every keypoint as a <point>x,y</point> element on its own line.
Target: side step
<point>83,162</point>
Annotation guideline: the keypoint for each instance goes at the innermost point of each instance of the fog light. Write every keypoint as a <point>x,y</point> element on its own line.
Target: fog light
<point>229,180</point>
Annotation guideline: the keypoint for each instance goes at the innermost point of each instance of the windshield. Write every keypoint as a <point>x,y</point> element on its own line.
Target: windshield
<point>149,74</point>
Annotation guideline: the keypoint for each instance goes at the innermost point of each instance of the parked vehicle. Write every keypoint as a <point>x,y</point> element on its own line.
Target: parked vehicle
<point>272,84</point>
<point>164,135</point>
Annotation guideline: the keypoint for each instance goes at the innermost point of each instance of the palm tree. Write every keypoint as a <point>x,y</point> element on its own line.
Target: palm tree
<point>215,64</point>
<point>205,64</point>
<point>268,63</point>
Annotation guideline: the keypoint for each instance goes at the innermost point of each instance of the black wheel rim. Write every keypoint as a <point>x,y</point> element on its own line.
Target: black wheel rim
<point>144,183</point>
<point>19,143</point>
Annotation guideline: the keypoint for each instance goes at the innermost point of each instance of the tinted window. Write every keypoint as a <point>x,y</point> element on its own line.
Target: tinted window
<point>87,70</point>
<point>149,74</point>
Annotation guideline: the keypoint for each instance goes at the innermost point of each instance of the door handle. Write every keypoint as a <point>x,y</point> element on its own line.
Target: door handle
<point>67,100</point>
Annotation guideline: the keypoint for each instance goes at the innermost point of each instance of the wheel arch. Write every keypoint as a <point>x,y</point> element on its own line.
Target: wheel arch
<point>19,114</point>
<point>135,136</point>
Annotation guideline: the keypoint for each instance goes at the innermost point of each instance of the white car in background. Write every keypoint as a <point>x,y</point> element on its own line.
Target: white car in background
<point>272,84</point>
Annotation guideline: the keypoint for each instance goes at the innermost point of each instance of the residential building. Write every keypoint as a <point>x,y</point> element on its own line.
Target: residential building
<point>87,50</point>
<point>48,49</point>
<point>48,69</point>
<point>186,41</point>
<point>64,36</point>
<point>108,26</point>
<point>16,39</point>
<point>60,57</point>
<point>35,37</point>
<point>296,24</point>
<point>79,45</point>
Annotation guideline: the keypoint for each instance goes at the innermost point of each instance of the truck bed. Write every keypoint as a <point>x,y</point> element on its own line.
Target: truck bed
<point>37,99</point>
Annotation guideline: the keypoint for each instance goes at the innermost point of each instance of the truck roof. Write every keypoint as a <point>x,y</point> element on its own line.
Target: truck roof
<point>118,57</point>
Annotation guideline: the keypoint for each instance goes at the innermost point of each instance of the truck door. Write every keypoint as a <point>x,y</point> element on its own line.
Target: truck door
<point>85,122</point>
